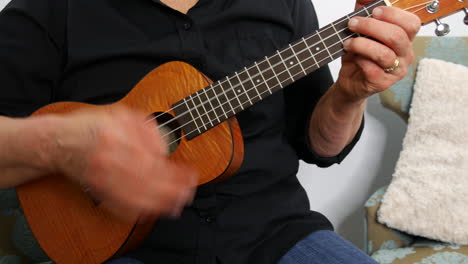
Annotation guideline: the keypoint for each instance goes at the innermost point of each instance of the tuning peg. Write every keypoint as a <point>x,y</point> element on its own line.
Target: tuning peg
<point>433,6</point>
<point>442,29</point>
<point>465,20</point>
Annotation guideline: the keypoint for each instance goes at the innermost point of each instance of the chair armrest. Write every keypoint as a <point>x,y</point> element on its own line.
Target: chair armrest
<point>379,236</point>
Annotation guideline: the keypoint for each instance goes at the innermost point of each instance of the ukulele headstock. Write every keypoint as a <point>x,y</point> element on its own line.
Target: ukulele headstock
<point>429,11</point>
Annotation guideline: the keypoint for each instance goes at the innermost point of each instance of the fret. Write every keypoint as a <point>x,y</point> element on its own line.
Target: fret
<point>273,71</point>
<point>268,74</point>
<point>227,98</point>
<point>333,42</point>
<point>337,51</point>
<point>230,96</point>
<point>320,56</point>
<point>361,12</point>
<point>192,114</point>
<point>342,27</point>
<point>336,32</point>
<point>224,102</point>
<point>312,55</point>
<point>316,46</point>
<point>358,34</point>
<point>236,90</point>
<point>292,63</point>
<point>243,87</point>
<point>325,45</point>
<point>331,38</point>
<point>285,66</point>
<point>249,86</point>
<point>299,60</point>
<point>218,109</point>
<point>352,33</point>
<point>263,77</point>
<point>211,113</point>
<point>203,115</point>
<point>281,72</point>
<point>252,84</point>
<point>305,56</point>
<point>367,11</point>
<point>183,119</point>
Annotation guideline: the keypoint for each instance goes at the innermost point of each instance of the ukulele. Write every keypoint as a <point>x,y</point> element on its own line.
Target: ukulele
<point>197,119</point>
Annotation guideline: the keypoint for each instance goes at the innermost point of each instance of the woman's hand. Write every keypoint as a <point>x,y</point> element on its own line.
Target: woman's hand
<point>122,163</point>
<point>391,31</point>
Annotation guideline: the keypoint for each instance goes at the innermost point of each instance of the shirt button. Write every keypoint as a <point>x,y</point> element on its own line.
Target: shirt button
<point>209,219</point>
<point>187,25</point>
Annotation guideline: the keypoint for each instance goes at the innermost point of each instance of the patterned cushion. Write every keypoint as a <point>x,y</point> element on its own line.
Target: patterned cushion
<point>435,254</point>
<point>452,49</point>
<point>378,235</point>
<point>389,246</point>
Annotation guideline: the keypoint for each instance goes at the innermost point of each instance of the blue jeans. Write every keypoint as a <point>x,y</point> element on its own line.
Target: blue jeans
<point>321,247</point>
<point>325,247</point>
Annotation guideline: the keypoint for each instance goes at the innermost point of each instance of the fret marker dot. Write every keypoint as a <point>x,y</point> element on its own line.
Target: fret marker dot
<point>291,63</point>
<point>258,80</point>
<point>317,48</point>
<point>238,91</point>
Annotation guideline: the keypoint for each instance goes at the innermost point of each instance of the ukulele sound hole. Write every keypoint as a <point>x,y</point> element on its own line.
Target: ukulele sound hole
<point>169,129</point>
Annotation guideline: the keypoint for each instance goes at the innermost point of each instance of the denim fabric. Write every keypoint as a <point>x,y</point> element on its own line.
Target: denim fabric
<point>325,247</point>
<point>322,247</point>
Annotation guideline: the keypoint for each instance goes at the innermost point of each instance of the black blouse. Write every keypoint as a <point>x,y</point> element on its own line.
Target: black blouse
<point>96,51</point>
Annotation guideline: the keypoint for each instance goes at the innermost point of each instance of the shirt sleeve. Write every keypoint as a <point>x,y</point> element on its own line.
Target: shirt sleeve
<point>31,47</point>
<point>304,94</point>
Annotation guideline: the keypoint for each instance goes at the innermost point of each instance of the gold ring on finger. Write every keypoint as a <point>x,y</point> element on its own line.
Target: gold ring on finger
<point>394,66</point>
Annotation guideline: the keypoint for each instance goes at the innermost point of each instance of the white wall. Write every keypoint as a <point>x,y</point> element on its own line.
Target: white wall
<point>340,191</point>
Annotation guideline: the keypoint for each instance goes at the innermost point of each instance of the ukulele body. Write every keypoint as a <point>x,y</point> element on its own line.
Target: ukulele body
<point>71,228</point>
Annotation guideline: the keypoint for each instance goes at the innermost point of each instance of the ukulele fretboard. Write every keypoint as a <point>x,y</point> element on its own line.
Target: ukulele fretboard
<point>225,98</point>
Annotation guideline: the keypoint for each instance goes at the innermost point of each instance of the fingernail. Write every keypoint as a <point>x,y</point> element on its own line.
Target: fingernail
<point>377,12</point>
<point>353,22</point>
<point>346,43</point>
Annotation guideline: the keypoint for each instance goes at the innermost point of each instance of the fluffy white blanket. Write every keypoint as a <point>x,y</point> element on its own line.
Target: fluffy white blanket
<point>428,195</point>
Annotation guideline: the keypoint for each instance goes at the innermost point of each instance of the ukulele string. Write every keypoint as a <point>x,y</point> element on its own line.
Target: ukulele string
<point>203,103</point>
<point>422,8</point>
<point>219,83</point>
<point>245,92</point>
<point>418,5</point>
<point>246,70</point>
<point>279,84</point>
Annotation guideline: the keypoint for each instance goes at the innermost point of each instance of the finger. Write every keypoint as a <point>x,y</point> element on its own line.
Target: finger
<point>124,209</point>
<point>147,132</point>
<point>156,140</point>
<point>409,22</point>
<point>380,54</point>
<point>167,199</point>
<point>173,187</point>
<point>184,179</point>
<point>391,35</point>
<point>377,78</point>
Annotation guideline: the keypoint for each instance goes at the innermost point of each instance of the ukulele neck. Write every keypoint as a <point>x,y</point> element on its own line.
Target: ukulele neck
<point>232,94</point>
